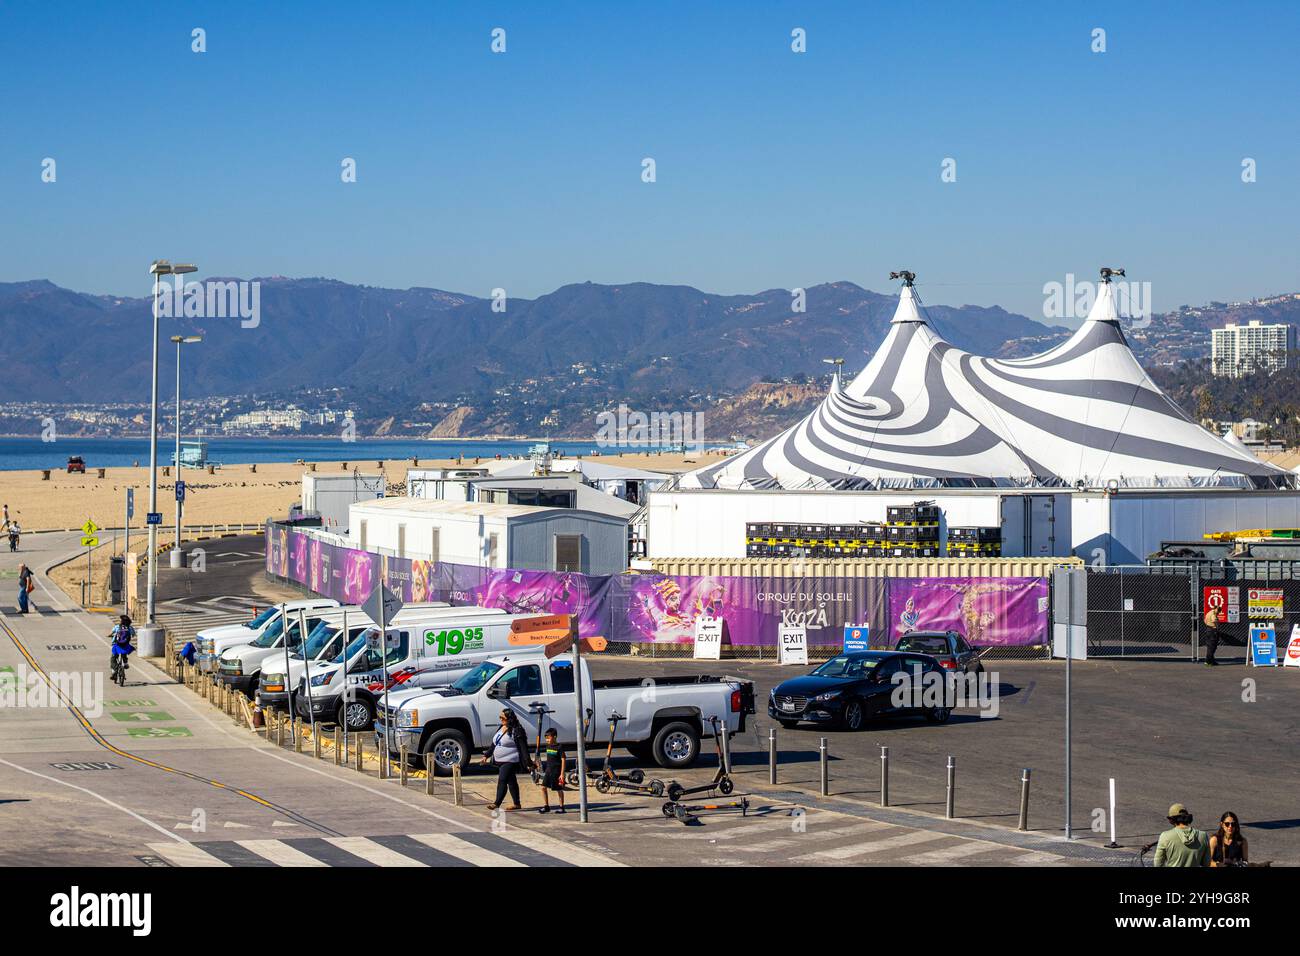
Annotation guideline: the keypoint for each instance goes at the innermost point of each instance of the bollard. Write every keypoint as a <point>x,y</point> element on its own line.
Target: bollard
<point>884,776</point>
<point>338,746</point>
<point>771,755</point>
<point>826,770</point>
<point>456,794</point>
<point>428,769</point>
<point>1024,800</point>
<point>361,747</point>
<point>952,786</point>
<point>402,768</point>
<point>315,740</point>
<point>1113,844</point>
<point>297,736</point>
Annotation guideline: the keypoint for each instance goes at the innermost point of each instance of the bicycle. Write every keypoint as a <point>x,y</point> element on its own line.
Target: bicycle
<point>119,666</point>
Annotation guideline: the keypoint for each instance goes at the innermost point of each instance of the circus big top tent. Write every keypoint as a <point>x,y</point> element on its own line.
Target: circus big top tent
<point>1081,422</point>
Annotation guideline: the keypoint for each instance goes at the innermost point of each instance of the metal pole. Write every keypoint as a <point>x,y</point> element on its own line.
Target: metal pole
<point>1113,842</point>
<point>1069,656</point>
<point>152,573</point>
<point>826,770</point>
<point>1024,800</point>
<point>383,651</point>
<point>726,749</point>
<point>178,446</point>
<point>577,703</point>
<point>771,755</point>
<point>302,640</point>
<point>126,549</point>
<point>284,636</point>
<point>884,776</point>
<point>952,786</point>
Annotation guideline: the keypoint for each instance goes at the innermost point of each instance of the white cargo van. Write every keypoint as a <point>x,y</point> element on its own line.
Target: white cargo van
<point>209,642</point>
<point>324,643</point>
<point>430,654</point>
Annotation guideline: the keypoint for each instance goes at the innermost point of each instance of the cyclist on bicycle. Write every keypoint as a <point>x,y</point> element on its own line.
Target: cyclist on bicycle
<point>122,637</point>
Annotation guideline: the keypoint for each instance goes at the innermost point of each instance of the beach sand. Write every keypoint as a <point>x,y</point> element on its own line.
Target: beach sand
<point>235,494</point>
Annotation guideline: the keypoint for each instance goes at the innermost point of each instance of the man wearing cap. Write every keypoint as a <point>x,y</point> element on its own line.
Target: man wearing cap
<point>1182,845</point>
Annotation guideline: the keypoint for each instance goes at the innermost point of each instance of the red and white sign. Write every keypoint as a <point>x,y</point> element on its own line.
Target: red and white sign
<point>1292,657</point>
<point>1224,599</point>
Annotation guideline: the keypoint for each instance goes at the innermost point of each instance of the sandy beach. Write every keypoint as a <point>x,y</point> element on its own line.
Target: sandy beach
<point>234,494</point>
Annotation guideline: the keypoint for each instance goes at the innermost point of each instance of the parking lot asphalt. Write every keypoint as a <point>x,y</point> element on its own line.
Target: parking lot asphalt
<point>1214,739</point>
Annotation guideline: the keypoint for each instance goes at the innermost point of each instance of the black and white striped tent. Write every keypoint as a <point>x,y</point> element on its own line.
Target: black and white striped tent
<point>924,414</point>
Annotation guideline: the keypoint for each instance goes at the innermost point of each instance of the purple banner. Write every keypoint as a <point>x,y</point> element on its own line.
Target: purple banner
<point>988,611</point>
<point>658,608</point>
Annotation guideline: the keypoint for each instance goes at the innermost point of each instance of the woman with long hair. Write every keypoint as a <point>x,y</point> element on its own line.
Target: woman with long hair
<point>509,754</point>
<point>1228,845</point>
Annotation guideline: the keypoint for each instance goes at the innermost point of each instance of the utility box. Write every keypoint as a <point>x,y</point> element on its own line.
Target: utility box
<point>116,578</point>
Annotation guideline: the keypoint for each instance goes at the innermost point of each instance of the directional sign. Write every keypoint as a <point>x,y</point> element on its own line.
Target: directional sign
<point>588,645</point>
<point>89,541</point>
<point>392,604</point>
<point>154,517</point>
<point>158,732</point>
<point>130,503</point>
<point>89,527</point>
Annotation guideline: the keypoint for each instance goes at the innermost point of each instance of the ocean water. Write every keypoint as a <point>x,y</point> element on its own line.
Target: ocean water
<point>22,454</point>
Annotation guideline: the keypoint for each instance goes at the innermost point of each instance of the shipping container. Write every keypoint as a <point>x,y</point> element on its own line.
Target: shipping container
<point>981,567</point>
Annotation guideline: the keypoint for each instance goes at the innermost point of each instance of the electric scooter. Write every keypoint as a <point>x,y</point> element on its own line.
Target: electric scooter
<point>721,780</point>
<point>541,710</point>
<point>688,815</point>
<point>607,778</point>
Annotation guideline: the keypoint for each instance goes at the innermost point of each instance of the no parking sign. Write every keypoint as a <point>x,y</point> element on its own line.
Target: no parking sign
<point>1292,658</point>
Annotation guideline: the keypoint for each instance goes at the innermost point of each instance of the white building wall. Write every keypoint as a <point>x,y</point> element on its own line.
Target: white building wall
<point>332,495</point>
<point>461,539</point>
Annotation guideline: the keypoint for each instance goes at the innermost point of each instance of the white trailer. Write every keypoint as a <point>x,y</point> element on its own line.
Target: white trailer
<point>330,496</point>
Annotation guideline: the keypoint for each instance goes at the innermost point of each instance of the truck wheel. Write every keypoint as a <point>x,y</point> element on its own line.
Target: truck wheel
<point>676,745</point>
<point>938,715</point>
<point>449,748</point>
<point>359,715</point>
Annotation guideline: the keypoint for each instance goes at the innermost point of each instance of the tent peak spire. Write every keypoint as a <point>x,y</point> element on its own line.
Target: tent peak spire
<point>907,277</point>
<point>907,310</point>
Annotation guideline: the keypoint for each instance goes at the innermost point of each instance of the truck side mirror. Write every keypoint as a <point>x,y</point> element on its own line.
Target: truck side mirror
<point>495,692</point>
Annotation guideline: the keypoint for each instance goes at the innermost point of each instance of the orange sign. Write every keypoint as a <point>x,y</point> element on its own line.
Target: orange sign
<point>589,645</point>
<point>541,630</point>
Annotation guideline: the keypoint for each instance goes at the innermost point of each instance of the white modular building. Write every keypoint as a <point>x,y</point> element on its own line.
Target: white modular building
<point>330,496</point>
<point>491,535</point>
<point>1073,451</point>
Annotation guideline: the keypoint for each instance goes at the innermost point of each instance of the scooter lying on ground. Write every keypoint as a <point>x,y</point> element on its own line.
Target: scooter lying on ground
<point>721,780</point>
<point>690,814</point>
<point>606,778</point>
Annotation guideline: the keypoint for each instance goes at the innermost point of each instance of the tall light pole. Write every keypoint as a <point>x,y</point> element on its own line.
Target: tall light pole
<point>180,503</point>
<point>150,639</point>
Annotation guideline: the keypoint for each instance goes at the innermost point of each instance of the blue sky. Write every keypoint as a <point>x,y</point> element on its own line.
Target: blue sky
<point>523,170</point>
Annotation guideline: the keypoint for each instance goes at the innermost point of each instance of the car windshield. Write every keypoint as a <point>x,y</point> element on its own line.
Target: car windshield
<point>354,647</point>
<point>262,618</point>
<point>473,682</point>
<point>846,666</point>
<point>319,637</point>
<point>272,634</point>
<point>930,644</point>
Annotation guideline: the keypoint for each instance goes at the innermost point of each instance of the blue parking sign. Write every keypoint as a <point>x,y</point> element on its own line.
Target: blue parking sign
<point>856,638</point>
<point>1263,645</point>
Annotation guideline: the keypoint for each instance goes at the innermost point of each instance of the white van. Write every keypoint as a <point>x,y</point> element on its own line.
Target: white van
<point>324,643</point>
<point>211,641</point>
<point>433,653</point>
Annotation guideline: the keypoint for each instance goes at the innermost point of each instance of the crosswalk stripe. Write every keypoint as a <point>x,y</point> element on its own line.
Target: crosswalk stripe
<point>236,854</point>
<point>948,854</point>
<point>374,852</point>
<point>327,853</point>
<point>280,854</point>
<point>515,851</point>
<point>876,846</point>
<point>1036,858</point>
<point>465,851</point>
<point>866,826</point>
<point>185,854</point>
<point>557,848</point>
<point>410,847</point>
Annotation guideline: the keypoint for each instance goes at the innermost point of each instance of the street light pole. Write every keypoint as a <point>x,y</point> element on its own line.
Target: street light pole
<point>160,267</point>
<point>180,503</point>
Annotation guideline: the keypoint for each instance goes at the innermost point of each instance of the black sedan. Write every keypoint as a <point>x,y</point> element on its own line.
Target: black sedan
<point>850,688</point>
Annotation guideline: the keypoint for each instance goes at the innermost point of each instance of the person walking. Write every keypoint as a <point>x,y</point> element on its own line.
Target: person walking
<point>509,754</point>
<point>1182,845</point>
<point>1211,636</point>
<point>26,585</point>
<point>14,532</point>
<point>1228,846</point>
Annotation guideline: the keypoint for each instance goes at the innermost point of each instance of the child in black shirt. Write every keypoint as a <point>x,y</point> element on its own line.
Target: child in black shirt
<point>552,772</point>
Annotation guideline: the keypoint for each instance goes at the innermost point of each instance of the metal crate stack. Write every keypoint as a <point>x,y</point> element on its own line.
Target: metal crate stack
<point>912,531</point>
<point>983,542</point>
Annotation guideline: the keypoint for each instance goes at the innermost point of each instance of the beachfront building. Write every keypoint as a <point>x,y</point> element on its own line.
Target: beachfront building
<point>1238,350</point>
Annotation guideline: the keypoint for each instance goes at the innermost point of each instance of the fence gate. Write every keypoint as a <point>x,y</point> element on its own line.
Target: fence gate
<point>1133,612</point>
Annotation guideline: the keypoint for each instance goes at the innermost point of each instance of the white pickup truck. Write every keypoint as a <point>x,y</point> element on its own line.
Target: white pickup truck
<point>665,717</point>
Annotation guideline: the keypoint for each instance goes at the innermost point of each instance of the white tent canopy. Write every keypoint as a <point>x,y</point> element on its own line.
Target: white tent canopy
<point>924,414</point>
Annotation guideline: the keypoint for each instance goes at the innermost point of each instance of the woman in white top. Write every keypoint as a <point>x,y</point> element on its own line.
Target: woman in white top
<point>509,754</point>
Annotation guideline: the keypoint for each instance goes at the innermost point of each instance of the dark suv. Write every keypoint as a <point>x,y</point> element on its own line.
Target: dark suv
<point>949,648</point>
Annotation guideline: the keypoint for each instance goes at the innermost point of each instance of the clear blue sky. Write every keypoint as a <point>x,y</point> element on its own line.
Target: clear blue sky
<point>523,170</point>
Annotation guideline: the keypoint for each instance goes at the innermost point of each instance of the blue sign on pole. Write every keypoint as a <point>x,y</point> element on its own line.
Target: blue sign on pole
<point>130,503</point>
<point>1263,645</point>
<point>856,638</point>
<point>180,491</point>
<point>154,517</point>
